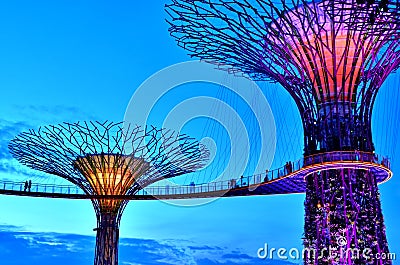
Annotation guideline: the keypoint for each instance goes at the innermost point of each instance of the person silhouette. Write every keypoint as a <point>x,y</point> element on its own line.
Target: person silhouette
<point>26,185</point>
<point>29,185</point>
<point>266,175</point>
<point>192,187</point>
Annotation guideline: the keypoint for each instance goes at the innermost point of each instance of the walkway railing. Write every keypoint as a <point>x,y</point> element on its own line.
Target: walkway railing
<point>38,187</point>
<point>216,186</point>
<point>290,167</point>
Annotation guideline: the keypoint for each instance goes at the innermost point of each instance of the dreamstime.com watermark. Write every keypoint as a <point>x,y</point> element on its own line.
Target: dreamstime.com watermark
<point>342,252</point>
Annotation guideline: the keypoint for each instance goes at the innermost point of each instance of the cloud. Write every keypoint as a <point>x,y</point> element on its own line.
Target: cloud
<point>32,117</point>
<point>21,247</point>
<point>12,170</point>
<point>32,248</point>
<point>42,115</point>
<point>8,130</point>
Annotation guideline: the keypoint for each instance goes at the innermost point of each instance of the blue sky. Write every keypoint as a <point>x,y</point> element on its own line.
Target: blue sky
<point>64,61</point>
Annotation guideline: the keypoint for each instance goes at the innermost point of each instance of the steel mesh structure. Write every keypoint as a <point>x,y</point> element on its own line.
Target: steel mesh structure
<point>108,160</point>
<point>333,64</point>
<point>365,15</point>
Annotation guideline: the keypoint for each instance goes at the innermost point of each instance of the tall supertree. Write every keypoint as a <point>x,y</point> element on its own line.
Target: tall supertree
<point>108,161</point>
<point>332,63</point>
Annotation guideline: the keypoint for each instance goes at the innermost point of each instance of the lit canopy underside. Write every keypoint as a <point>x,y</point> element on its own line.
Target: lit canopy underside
<point>333,72</point>
<point>111,174</point>
<point>329,54</point>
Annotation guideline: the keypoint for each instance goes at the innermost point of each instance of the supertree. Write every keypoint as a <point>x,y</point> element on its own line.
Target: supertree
<point>108,161</point>
<point>332,63</point>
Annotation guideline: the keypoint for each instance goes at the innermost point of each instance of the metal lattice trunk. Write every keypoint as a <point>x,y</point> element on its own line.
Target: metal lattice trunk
<point>343,220</point>
<point>108,161</point>
<point>343,216</point>
<point>332,60</point>
<point>107,237</point>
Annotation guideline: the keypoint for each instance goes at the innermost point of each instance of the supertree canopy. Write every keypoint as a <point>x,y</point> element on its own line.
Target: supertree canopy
<point>108,161</point>
<point>333,63</point>
<point>307,47</point>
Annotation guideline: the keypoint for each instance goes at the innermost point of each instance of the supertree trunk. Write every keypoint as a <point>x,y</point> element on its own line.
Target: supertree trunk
<point>107,159</point>
<point>343,215</point>
<point>343,221</point>
<point>333,71</point>
<point>106,252</point>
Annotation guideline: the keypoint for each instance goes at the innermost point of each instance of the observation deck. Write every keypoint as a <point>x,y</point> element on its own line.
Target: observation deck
<point>284,180</point>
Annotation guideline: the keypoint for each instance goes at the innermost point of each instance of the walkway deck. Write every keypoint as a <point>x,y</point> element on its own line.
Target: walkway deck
<point>284,180</point>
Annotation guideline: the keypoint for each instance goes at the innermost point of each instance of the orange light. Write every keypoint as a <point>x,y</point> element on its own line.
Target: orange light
<point>324,50</point>
<point>334,64</point>
<point>111,174</point>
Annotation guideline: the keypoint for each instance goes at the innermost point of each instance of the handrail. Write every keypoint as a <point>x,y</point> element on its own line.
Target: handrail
<point>225,185</point>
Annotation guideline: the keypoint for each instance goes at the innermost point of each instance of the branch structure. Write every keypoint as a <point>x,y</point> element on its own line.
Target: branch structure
<point>332,56</point>
<point>108,159</point>
<point>367,15</point>
<point>306,46</point>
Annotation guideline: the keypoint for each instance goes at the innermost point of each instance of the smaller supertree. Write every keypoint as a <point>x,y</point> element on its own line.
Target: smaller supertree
<point>108,161</point>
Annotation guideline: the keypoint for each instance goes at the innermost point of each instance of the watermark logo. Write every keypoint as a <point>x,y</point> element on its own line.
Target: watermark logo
<point>331,253</point>
<point>341,241</point>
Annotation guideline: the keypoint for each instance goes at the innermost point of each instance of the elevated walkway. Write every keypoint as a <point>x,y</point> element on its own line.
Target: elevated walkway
<point>285,180</point>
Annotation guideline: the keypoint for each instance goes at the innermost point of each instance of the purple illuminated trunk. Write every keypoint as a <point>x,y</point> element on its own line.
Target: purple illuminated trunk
<point>343,215</point>
<point>343,212</point>
<point>107,240</point>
